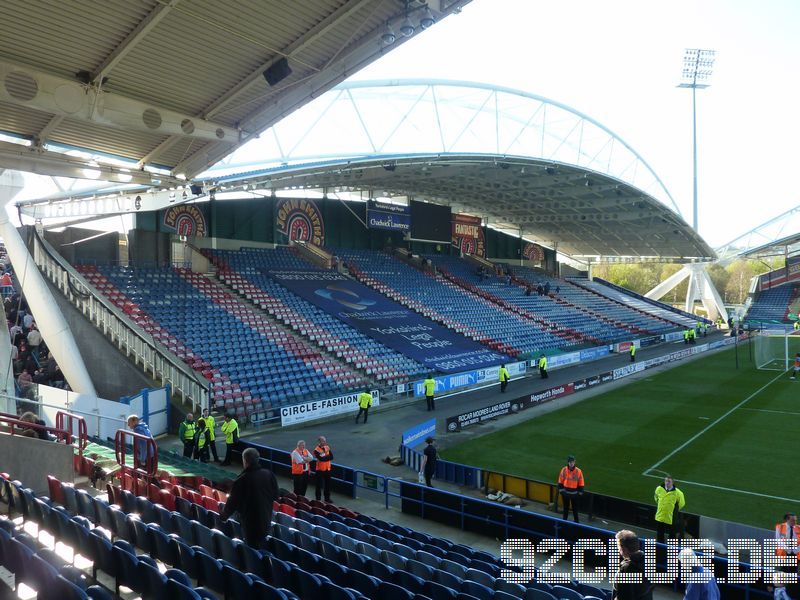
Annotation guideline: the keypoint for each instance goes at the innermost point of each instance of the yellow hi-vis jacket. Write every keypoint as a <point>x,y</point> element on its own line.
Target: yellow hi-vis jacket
<point>666,502</point>
<point>364,400</point>
<point>230,429</point>
<point>211,424</point>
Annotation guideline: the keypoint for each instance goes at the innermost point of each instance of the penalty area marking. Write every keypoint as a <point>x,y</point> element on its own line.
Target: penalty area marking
<point>712,424</point>
<point>724,489</point>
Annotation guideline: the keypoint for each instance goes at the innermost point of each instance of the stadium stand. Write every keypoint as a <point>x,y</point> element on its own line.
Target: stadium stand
<point>773,304</point>
<point>598,304</point>
<point>253,364</point>
<point>316,550</point>
<point>245,272</point>
<point>552,308</point>
<point>636,301</point>
<point>455,307</point>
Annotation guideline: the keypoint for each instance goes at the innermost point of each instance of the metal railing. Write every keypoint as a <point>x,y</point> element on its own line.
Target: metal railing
<point>141,445</point>
<point>145,351</point>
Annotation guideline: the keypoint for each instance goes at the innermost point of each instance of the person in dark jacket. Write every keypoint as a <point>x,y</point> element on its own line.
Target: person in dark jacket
<point>252,496</point>
<point>631,567</point>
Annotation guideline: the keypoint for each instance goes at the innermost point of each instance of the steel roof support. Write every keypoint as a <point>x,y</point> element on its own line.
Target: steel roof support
<point>49,320</point>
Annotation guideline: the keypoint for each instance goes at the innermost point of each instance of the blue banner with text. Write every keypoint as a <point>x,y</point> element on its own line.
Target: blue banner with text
<point>388,322</point>
<point>388,216</point>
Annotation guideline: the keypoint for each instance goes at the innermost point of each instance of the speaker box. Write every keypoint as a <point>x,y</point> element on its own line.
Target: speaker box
<point>197,190</point>
<point>279,71</point>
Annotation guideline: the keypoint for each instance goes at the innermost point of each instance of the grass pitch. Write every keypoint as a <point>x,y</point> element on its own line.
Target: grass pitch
<point>730,438</point>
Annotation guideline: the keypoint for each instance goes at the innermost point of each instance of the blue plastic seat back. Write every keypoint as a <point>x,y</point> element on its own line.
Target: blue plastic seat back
<point>237,584</point>
<point>176,590</point>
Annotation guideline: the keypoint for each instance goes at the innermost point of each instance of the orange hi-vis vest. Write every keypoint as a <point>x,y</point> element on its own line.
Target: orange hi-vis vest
<point>299,469</point>
<point>781,531</point>
<point>571,480</point>
<point>323,465</point>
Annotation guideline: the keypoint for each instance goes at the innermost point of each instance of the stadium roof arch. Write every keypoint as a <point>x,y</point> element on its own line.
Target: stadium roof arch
<point>529,165</point>
<point>152,91</point>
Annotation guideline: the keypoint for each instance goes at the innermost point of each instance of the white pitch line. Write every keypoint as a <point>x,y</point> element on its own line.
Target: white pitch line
<point>727,489</point>
<point>714,422</point>
<point>767,410</point>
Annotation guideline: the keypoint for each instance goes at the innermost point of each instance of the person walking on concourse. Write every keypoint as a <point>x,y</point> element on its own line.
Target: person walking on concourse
<point>252,496</point>
<point>430,390</point>
<point>364,402</point>
<point>504,379</point>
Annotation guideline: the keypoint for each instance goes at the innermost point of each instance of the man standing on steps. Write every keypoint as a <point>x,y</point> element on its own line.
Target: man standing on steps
<point>231,430</point>
<point>252,496</point>
<point>430,390</point>
<point>504,379</point>
<point>542,366</point>
<point>186,433</point>
<point>364,402</point>
<point>211,425</point>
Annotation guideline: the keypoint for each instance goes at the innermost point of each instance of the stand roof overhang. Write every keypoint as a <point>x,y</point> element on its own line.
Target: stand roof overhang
<point>172,86</point>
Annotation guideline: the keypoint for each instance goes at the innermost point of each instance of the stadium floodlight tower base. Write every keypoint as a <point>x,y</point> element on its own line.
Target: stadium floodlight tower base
<point>700,288</point>
<point>775,349</point>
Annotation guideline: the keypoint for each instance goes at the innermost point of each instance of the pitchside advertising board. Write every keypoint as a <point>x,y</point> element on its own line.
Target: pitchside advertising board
<point>319,409</point>
<point>474,417</point>
<point>417,434</point>
<point>390,323</point>
<point>447,383</point>
<point>480,415</point>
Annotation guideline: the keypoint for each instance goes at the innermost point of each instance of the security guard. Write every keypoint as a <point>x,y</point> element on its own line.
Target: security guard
<point>300,468</point>
<point>570,485</point>
<point>364,402</point>
<point>430,389</point>
<point>796,325</point>
<point>231,430</point>
<point>504,378</point>
<point>669,502</point>
<point>211,424</point>
<point>692,336</point>
<point>186,432</point>
<point>788,535</point>
<point>202,439</point>
<point>543,366</point>
<point>685,336</point>
<point>324,456</point>
<point>633,351</point>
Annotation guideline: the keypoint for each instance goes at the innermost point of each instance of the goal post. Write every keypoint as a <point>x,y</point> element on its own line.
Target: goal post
<point>775,351</point>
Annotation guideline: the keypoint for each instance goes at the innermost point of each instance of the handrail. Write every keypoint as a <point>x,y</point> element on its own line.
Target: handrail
<point>15,423</point>
<point>82,435</point>
<point>121,330</point>
<point>149,467</point>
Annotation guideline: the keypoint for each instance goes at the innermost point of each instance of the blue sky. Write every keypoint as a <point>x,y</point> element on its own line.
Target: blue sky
<point>619,61</point>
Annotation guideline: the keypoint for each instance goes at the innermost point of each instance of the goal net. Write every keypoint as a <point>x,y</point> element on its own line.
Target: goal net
<point>776,351</point>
